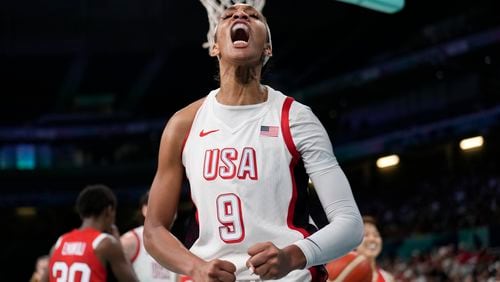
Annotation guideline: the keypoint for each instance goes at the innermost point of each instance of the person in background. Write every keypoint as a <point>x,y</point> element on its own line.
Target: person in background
<point>84,254</point>
<point>41,268</point>
<point>371,248</point>
<point>146,268</point>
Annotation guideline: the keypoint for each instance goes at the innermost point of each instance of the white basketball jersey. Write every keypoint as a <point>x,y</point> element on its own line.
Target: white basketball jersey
<point>145,267</point>
<point>242,184</point>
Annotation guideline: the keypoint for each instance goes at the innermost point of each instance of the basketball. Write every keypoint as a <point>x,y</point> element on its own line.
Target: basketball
<point>352,267</point>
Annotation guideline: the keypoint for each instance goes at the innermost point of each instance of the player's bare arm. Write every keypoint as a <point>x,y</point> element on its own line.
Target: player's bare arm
<point>110,250</point>
<point>162,206</point>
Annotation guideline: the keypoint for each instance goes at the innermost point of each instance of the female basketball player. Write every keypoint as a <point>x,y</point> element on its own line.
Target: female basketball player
<point>145,267</point>
<point>238,147</point>
<point>371,248</point>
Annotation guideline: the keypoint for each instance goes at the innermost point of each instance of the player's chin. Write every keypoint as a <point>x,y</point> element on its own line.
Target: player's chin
<point>245,59</point>
<point>366,253</point>
<point>372,253</point>
<point>248,51</point>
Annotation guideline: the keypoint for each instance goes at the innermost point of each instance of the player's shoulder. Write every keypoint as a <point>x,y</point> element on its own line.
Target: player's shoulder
<point>299,107</point>
<point>105,242</point>
<point>131,236</point>
<point>388,277</point>
<point>75,233</point>
<point>107,247</point>
<point>280,97</point>
<point>181,121</point>
<point>299,112</point>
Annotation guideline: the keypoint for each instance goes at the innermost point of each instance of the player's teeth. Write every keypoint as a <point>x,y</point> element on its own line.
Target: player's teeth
<point>240,26</point>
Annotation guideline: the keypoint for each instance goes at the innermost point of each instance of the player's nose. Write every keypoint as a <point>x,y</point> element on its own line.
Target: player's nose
<point>240,15</point>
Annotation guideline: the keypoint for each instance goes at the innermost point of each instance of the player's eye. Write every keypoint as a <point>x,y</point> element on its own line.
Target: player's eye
<point>226,16</point>
<point>255,16</point>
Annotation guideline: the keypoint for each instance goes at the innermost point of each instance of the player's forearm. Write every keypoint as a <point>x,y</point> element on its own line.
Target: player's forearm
<point>345,230</point>
<point>332,241</point>
<point>169,251</point>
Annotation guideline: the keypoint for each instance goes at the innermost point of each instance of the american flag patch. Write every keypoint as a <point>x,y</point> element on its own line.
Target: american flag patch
<point>270,131</point>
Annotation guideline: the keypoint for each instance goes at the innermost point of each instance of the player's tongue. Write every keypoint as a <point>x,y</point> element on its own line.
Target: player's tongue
<point>240,35</point>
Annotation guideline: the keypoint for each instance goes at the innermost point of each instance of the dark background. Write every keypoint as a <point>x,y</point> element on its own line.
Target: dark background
<point>87,86</point>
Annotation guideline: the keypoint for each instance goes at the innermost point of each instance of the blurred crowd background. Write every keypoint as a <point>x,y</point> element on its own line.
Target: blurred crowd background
<point>88,86</point>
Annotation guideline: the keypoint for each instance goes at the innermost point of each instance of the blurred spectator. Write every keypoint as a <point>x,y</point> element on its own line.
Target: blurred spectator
<point>438,205</point>
<point>447,263</point>
<point>370,247</point>
<point>41,268</point>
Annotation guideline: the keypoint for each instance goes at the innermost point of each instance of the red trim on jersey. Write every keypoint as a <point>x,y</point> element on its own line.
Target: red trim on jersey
<point>287,135</point>
<point>380,277</point>
<point>291,208</point>
<point>285,128</point>
<point>138,247</point>
<point>318,275</point>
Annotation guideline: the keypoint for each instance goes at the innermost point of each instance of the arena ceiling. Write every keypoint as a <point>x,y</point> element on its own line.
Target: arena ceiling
<point>142,59</point>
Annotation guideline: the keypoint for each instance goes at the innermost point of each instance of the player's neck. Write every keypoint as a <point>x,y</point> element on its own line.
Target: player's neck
<point>373,263</point>
<point>235,92</point>
<point>93,223</point>
<point>240,85</point>
<point>232,93</point>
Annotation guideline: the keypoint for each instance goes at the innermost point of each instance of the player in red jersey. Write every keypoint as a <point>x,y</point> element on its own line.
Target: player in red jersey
<point>371,248</point>
<point>83,254</point>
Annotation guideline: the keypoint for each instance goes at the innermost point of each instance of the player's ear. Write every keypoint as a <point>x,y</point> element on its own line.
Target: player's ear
<point>109,211</point>
<point>268,50</point>
<point>214,50</point>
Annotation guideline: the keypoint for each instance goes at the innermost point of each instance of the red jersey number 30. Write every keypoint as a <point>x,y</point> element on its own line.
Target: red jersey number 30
<point>65,273</point>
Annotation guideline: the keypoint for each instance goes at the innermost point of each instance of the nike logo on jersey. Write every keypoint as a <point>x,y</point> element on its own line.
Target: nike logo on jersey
<point>205,133</point>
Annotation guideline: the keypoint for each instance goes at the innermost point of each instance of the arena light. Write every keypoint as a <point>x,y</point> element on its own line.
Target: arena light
<point>385,6</point>
<point>26,211</point>
<point>388,161</point>
<point>471,143</point>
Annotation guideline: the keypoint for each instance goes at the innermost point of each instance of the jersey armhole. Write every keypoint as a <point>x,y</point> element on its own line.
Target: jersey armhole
<point>186,135</point>
<point>99,239</point>
<point>58,243</point>
<point>285,129</point>
<point>138,246</point>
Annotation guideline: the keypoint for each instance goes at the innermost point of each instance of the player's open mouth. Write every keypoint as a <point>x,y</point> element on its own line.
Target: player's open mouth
<point>240,34</point>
